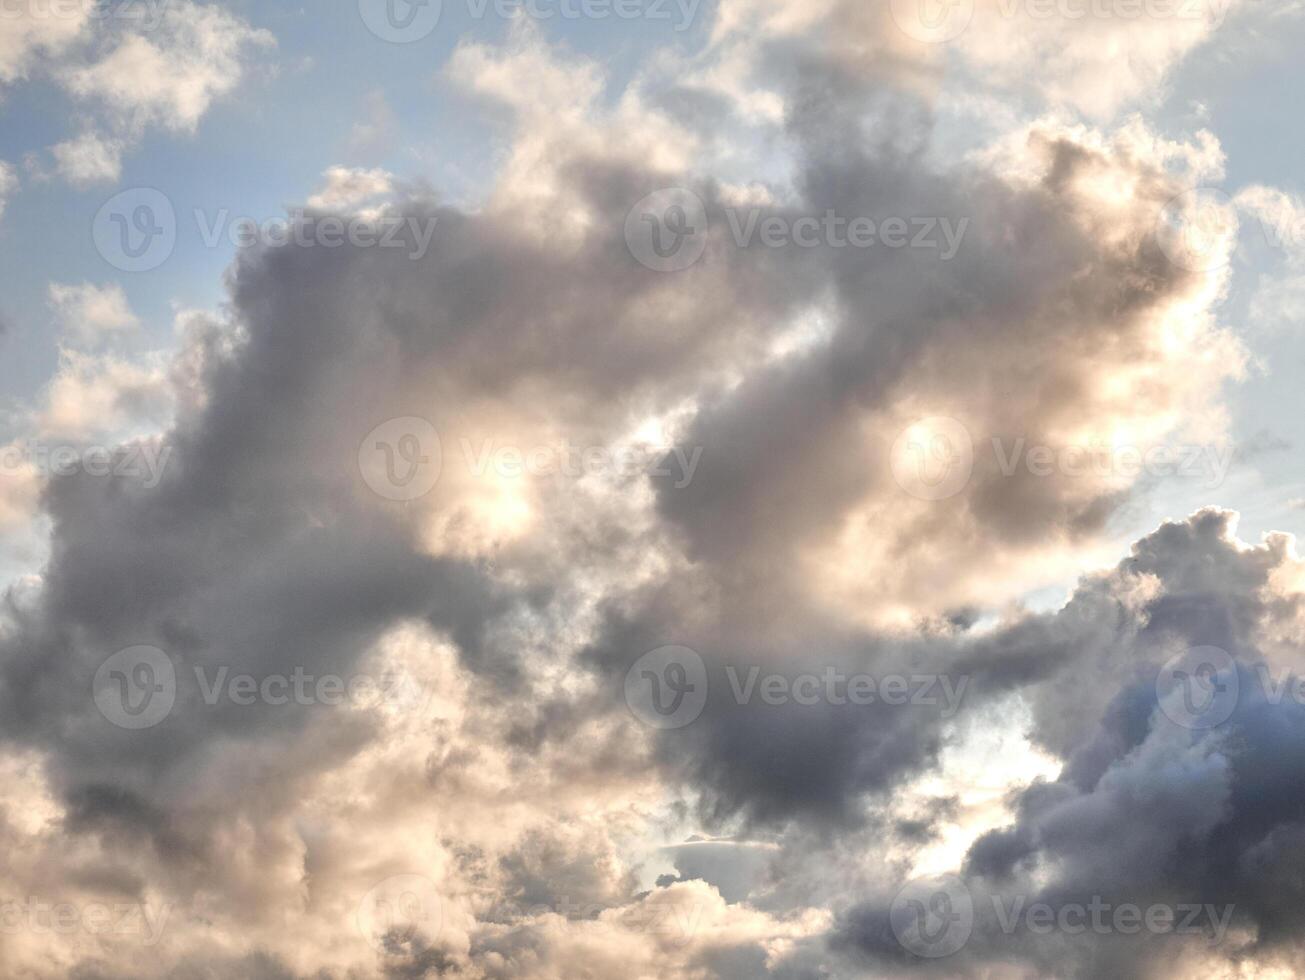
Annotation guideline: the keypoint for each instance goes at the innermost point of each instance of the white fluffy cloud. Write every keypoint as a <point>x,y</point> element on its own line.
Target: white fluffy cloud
<point>8,183</point>
<point>89,159</point>
<point>348,187</point>
<point>90,312</point>
<point>31,29</point>
<point>170,77</point>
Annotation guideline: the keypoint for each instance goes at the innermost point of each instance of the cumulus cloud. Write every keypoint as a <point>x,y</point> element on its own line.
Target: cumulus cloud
<point>489,804</point>
<point>1149,809</point>
<point>31,29</point>
<point>171,76</point>
<point>8,183</point>
<point>90,312</point>
<point>89,159</point>
<point>347,187</point>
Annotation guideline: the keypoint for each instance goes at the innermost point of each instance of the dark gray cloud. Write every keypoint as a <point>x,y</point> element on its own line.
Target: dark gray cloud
<point>1147,810</point>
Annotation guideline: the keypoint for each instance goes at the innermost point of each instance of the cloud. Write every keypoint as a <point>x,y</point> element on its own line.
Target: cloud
<point>91,313</point>
<point>170,77</point>
<point>8,183</point>
<point>346,188</point>
<point>1146,809</point>
<point>533,824</point>
<point>89,159</point>
<point>31,29</point>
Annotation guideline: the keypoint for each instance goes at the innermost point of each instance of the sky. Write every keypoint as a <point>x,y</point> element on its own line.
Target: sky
<point>702,489</point>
